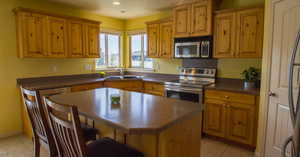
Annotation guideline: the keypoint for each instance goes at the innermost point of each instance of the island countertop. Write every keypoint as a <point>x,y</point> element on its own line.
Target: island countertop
<point>138,113</point>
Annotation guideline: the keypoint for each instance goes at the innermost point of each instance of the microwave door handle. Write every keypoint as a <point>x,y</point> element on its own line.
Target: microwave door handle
<point>293,112</point>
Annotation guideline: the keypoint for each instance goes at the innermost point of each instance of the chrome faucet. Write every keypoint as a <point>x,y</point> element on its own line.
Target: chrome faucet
<point>122,72</point>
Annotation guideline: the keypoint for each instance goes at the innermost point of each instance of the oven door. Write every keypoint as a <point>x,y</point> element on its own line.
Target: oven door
<point>187,50</point>
<point>188,94</point>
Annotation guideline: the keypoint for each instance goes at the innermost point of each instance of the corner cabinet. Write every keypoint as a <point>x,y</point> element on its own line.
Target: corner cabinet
<point>232,116</point>
<point>239,34</point>
<point>45,35</point>
<point>193,19</point>
<point>160,38</point>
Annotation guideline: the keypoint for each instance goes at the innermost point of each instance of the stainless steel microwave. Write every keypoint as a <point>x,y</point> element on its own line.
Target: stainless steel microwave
<point>198,49</point>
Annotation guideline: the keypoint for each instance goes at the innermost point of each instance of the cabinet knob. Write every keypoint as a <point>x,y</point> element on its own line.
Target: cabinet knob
<point>227,97</point>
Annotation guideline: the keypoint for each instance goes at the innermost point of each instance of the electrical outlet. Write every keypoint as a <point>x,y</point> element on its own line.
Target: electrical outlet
<point>88,67</point>
<point>54,68</point>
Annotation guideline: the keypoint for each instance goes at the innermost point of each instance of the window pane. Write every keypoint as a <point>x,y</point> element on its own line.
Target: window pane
<point>136,50</point>
<point>148,62</point>
<point>101,62</point>
<point>113,50</point>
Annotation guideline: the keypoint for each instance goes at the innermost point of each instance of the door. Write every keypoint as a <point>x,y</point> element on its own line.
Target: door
<point>250,33</point>
<point>153,40</point>
<point>283,29</point>
<point>201,18</point>
<point>58,46</point>
<point>240,122</point>
<point>34,35</point>
<point>225,35</point>
<point>215,117</point>
<point>166,40</point>
<point>76,39</point>
<point>92,40</point>
<point>181,15</point>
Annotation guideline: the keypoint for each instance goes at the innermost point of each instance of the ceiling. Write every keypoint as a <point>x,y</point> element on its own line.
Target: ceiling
<point>132,8</point>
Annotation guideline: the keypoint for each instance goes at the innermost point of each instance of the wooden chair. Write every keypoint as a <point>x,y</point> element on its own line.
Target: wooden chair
<point>42,134</point>
<point>69,138</point>
<point>41,131</point>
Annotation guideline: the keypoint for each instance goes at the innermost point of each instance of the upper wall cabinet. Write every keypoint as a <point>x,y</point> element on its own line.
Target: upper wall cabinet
<point>160,38</point>
<point>193,19</point>
<point>57,37</point>
<point>44,35</point>
<point>239,34</point>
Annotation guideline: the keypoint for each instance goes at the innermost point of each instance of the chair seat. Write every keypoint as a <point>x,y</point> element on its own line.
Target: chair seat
<point>89,133</point>
<point>109,148</point>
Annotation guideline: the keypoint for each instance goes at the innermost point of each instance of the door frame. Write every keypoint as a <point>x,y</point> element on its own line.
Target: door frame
<point>266,75</point>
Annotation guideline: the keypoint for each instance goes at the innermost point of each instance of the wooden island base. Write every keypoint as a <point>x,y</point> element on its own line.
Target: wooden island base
<point>180,140</point>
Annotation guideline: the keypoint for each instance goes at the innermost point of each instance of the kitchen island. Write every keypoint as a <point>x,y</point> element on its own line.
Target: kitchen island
<point>157,126</point>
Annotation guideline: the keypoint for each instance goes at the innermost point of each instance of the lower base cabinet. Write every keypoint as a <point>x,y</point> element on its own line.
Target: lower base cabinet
<point>154,88</point>
<point>129,85</point>
<point>230,119</point>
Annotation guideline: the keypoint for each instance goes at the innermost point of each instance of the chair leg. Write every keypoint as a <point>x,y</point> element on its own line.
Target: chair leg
<point>37,147</point>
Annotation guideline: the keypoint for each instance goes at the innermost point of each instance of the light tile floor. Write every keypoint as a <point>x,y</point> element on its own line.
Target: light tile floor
<point>21,146</point>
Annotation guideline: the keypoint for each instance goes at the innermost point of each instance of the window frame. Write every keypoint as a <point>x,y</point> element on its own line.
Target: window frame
<point>142,51</point>
<point>106,51</point>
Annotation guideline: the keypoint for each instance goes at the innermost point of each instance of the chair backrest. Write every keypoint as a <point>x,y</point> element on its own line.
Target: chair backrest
<point>38,119</point>
<point>66,131</point>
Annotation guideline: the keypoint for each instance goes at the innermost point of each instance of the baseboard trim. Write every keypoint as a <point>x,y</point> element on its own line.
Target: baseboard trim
<point>10,134</point>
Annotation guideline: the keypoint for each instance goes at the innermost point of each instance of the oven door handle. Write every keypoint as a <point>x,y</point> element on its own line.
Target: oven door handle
<point>184,90</point>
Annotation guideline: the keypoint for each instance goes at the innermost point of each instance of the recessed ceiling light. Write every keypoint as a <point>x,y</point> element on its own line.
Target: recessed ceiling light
<point>116,3</point>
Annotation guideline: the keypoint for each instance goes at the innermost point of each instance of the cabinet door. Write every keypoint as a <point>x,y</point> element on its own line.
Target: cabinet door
<point>225,35</point>
<point>201,18</point>
<point>250,33</point>
<point>85,87</point>
<point>181,15</point>
<point>214,117</point>
<point>240,123</point>
<point>153,40</point>
<point>76,39</point>
<point>57,28</point>
<point>92,40</point>
<point>32,42</point>
<point>166,40</point>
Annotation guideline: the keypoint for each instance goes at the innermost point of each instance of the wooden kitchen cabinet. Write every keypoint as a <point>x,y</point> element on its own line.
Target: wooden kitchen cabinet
<point>231,116</point>
<point>214,114</point>
<point>225,35</point>
<point>154,88</point>
<point>166,40</point>
<point>85,87</point>
<point>32,40</point>
<point>153,40</point>
<point>193,19</point>
<point>201,18</point>
<point>129,85</point>
<point>57,37</point>
<point>250,24</point>
<point>160,38</point>
<point>181,15</point>
<point>76,39</point>
<point>240,123</point>
<point>92,40</point>
<point>47,35</point>
<point>239,34</point>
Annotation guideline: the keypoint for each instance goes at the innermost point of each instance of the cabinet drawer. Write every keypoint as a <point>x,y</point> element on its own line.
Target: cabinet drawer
<point>86,87</point>
<point>153,88</point>
<point>230,96</point>
<point>126,85</point>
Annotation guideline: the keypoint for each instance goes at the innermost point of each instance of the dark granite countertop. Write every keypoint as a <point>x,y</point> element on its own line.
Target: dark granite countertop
<point>233,85</point>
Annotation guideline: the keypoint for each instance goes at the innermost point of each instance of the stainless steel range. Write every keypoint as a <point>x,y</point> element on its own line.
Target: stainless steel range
<point>190,84</point>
